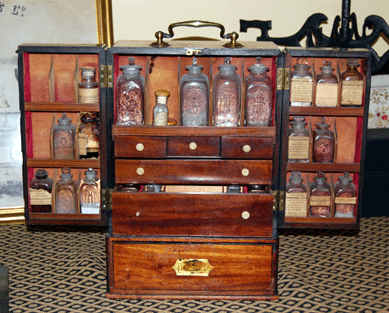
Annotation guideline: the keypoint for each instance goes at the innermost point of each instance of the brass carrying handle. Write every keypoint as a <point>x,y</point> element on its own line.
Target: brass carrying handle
<point>161,35</point>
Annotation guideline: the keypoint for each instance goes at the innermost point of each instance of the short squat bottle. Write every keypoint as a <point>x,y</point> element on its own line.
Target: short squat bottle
<point>194,96</point>
<point>327,86</point>
<point>226,95</point>
<point>301,84</point>
<point>259,96</point>
<point>90,193</point>
<point>296,196</point>
<point>352,85</point>
<point>66,193</point>
<point>345,196</point>
<point>88,88</point>
<point>323,143</point>
<point>161,110</point>
<point>64,138</point>
<point>89,136</point>
<point>298,141</point>
<point>41,192</point>
<point>320,197</point>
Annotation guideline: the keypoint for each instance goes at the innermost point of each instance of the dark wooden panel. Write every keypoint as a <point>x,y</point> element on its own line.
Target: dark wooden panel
<point>194,146</point>
<point>140,147</point>
<point>247,148</point>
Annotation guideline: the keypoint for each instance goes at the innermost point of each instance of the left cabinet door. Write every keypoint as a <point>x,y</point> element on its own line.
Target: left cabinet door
<point>62,95</point>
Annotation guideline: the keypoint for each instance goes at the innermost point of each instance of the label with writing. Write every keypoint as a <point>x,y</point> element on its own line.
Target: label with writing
<point>296,204</point>
<point>345,200</point>
<point>327,95</point>
<point>88,95</point>
<point>301,90</point>
<point>40,197</point>
<point>90,208</point>
<point>320,201</point>
<point>298,148</point>
<point>161,119</point>
<point>82,143</point>
<point>352,92</point>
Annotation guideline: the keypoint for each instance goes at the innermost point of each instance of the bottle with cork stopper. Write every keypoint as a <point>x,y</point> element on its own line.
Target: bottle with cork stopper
<point>161,111</point>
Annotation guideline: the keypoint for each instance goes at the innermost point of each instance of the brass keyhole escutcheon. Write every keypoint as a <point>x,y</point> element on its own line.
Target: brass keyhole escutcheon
<point>140,147</point>
<point>246,148</point>
<point>193,146</point>
<point>245,172</point>
<point>140,171</point>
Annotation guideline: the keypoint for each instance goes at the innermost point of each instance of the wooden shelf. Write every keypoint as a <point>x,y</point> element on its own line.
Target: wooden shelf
<point>323,167</point>
<point>326,111</point>
<point>53,163</point>
<point>61,107</point>
<point>321,222</point>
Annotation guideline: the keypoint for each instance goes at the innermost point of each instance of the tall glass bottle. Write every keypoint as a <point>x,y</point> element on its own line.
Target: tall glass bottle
<point>90,193</point>
<point>161,111</point>
<point>88,88</point>
<point>301,84</point>
<point>327,86</point>
<point>323,143</point>
<point>194,96</point>
<point>320,197</point>
<point>64,138</point>
<point>345,196</point>
<point>259,96</point>
<point>226,95</point>
<point>66,193</point>
<point>130,88</point>
<point>298,141</point>
<point>296,196</point>
<point>41,192</point>
<point>352,85</point>
<point>89,136</point>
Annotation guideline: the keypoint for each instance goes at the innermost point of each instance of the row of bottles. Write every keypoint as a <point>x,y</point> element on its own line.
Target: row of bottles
<point>194,96</point>
<point>68,194</point>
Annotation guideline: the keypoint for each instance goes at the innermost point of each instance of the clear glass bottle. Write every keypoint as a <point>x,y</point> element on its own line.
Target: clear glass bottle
<point>88,88</point>
<point>64,138</point>
<point>226,95</point>
<point>90,193</point>
<point>161,111</point>
<point>320,197</point>
<point>130,90</point>
<point>326,86</point>
<point>301,84</point>
<point>194,96</point>
<point>323,143</point>
<point>154,188</point>
<point>299,140</point>
<point>89,136</point>
<point>66,193</point>
<point>345,196</point>
<point>41,191</point>
<point>259,96</point>
<point>352,85</point>
<point>296,196</point>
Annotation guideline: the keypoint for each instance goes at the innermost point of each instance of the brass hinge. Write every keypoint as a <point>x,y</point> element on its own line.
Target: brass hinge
<point>283,78</point>
<point>106,76</point>
<point>106,199</point>
<point>278,200</point>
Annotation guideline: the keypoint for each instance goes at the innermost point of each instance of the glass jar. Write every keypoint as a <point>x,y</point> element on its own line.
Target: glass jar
<point>298,142</point>
<point>323,143</point>
<point>89,136</point>
<point>259,96</point>
<point>301,84</point>
<point>154,188</point>
<point>326,86</point>
<point>64,138</point>
<point>88,88</point>
<point>90,193</point>
<point>296,196</point>
<point>352,85</point>
<point>130,87</point>
<point>66,193</point>
<point>161,111</point>
<point>320,197</point>
<point>41,192</point>
<point>226,95</point>
<point>345,196</point>
<point>194,96</point>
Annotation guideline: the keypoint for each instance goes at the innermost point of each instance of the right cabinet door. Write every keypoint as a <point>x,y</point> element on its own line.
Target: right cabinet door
<point>325,107</point>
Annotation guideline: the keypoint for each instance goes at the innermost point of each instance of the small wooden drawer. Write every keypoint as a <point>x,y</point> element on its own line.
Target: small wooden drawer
<point>194,146</point>
<point>140,147</point>
<point>247,148</point>
<point>192,214</point>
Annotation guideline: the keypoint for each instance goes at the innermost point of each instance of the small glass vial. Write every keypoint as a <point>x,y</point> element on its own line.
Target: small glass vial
<point>320,197</point>
<point>326,86</point>
<point>259,96</point>
<point>323,143</point>
<point>352,85</point>
<point>194,96</point>
<point>66,193</point>
<point>226,95</point>
<point>64,138</point>
<point>41,192</point>
<point>296,196</point>
<point>161,111</point>
<point>299,140</point>
<point>90,193</point>
<point>89,136</point>
<point>154,188</point>
<point>88,88</point>
<point>345,196</point>
<point>130,88</point>
<point>301,84</point>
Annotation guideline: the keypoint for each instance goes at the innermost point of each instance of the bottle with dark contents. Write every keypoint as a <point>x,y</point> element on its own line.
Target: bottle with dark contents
<point>296,196</point>
<point>298,141</point>
<point>89,136</point>
<point>352,85</point>
<point>40,192</point>
<point>64,138</point>
<point>326,86</point>
<point>66,193</point>
<point>320,197</point>
<point>301,84</point>
<point>88,88</point>
<point>90,193</point>
<point>345,196</point>
<point>323,143</point>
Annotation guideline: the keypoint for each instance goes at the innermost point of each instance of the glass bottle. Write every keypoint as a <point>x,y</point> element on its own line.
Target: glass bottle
<point>296,196</point>
<point>345,196</point>
<point>323,143</point>
<point>63,138</point>
<point>326,86</point>
<point>226,95</point>
<point>161,111</point>
<point>90,193</point>
<point>299,140</point>
<point>301,84</point>
<point>66,193</point>
<point>154,188</point>
<point>194,96</point>
<point>88,136</point>
<point>41,192</point>
<point>352,85</point>
<point>130,88</point>
<point>88,88</point>
<point>320,197</point>
<point>259,95</point>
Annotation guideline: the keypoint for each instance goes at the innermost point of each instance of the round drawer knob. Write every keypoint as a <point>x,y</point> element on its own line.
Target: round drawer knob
<point>140,170</point>
<point>137,213</point>
<point>246,148</point>
<point>193,146</point>
<point>245,215</point>
<point>140,147</point>
<point>245,172</point>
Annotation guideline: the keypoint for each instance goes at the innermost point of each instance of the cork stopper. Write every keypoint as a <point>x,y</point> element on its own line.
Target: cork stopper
<point>162,93</point>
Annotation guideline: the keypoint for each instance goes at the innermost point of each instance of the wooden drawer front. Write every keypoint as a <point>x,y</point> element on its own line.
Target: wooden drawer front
<point>194,146</point>
<point>215,172</point>
<point>140,147</point>
<point>176,214</point>
<point>247,148</point>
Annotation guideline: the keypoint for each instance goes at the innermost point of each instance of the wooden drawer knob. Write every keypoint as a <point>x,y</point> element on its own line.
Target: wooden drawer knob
<point>193,146</point>
<point>245,215</point>
<point>245,172</point>
<point>140,170</point>
<point>140,147</point>
<point>246,148</point>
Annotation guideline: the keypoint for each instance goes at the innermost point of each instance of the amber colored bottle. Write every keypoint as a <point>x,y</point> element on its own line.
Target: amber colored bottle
<point>327,86</point>
<point>352,85</point>
<point>323,143</point>
<point>66,193</point>
<point>41,191</point>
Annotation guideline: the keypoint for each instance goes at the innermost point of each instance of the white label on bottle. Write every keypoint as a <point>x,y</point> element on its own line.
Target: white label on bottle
<point>90,208</point>
<point>40,197</point>
<point>327,95</point>
<point>161,119</point>
<point>301,90</point>
<point>352,92</point>
<point>82,143</point>
<point>320,201</point>
<point>298,148</point>
<point>88,95</point>
<point>296,204</point>
<point>345,200</point>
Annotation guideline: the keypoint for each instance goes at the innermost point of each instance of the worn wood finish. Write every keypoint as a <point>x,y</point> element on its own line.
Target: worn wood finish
<point>247,148</point>
<point>140,147</point>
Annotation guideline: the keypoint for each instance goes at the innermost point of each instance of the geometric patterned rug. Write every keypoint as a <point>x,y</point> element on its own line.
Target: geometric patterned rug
<point>57,270</point>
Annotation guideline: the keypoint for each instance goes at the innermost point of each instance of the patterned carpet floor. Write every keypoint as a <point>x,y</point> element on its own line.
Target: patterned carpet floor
<point>63,271</point>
